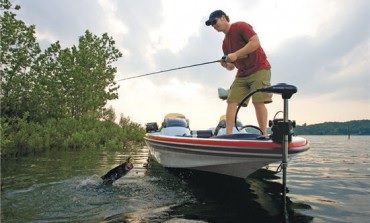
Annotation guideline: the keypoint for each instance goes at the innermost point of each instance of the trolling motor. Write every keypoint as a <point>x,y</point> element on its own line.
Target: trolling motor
<point>281,127</point>
<point>286,90</point>
<point>282,131</point>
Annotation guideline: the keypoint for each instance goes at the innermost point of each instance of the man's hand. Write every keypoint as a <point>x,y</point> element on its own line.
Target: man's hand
<point>231,57</point>
<point>228,65</point>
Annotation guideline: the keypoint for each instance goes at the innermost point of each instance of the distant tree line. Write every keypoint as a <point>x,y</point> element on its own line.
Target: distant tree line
<point>56,98</point>
<point>356,127</point>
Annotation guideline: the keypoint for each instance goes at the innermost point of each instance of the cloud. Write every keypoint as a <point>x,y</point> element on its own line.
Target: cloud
<point>62,20</point>
<point>333,61</point>
<point>322,47</point>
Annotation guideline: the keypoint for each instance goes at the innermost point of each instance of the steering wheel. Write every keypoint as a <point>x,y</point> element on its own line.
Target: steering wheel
<point>253,127</point>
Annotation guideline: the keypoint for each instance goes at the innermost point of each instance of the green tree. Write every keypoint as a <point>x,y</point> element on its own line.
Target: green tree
<point>107,114</point>
<point>49,91</point>
<point>91,73</point>
<point>55,99</point>
<point>57,83</point>
<point>18,52</point>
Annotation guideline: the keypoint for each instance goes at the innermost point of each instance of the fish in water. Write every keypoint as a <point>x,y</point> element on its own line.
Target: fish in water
<point>117,172</point>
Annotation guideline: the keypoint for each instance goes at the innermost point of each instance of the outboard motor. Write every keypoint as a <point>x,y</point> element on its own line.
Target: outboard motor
<point>151,127</point>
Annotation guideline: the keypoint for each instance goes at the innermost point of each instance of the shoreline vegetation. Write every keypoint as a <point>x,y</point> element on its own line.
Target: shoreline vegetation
<point>20,137</point>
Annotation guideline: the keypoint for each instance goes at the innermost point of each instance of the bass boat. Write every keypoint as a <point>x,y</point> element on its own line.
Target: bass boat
<point>175,145</point>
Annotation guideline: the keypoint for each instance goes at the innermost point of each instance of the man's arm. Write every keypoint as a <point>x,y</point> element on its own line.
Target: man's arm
<point>252,45</point>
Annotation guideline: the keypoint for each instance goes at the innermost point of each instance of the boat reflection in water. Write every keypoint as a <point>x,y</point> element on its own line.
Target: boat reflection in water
<point>220,198</point>
<point>170,195</point>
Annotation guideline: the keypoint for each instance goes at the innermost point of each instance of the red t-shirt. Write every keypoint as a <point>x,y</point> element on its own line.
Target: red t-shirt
<point>235,39</point>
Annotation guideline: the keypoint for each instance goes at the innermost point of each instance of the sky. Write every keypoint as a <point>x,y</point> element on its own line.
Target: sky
<point>321,47</point>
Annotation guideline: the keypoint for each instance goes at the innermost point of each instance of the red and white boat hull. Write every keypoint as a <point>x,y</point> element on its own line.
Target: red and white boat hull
<point>233,157</point>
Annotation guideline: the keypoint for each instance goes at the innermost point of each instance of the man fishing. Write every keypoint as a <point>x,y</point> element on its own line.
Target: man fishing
<point>243,51</point>
<point>118,172</point>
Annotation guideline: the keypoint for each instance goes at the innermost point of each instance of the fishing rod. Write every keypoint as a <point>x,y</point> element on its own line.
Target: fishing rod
<point>177,68</point>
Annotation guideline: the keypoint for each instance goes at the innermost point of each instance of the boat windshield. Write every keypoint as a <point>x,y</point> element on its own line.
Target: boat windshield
<point>222,124</point>
<point>175,122</point>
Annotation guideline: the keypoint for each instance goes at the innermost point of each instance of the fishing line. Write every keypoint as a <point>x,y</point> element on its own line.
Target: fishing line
<point>177,68</point>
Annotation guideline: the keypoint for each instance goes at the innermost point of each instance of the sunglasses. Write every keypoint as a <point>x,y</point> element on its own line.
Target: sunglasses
<point>214,22</point>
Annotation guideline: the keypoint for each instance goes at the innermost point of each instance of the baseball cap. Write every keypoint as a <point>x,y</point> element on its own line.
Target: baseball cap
<point>214,15</point>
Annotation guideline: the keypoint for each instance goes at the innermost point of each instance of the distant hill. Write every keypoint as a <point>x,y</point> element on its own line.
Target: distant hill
<point>356,127</point>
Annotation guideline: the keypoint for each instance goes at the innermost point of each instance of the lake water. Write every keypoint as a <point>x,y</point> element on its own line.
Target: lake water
<point>328,183</point>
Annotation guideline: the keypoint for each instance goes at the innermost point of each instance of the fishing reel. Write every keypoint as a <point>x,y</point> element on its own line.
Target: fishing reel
<point>280,128</point>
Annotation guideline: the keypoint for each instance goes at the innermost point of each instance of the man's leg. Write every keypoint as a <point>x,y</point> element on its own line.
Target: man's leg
<point>230,116</point>
<point>261,114</point>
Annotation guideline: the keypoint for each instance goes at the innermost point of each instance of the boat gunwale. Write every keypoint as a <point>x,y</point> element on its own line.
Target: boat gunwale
<point>250,143</point>
<point>209,152</point>
<point>205,145</point>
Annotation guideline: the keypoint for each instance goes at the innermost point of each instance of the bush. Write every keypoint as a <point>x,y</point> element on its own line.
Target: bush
<point>21,137</point>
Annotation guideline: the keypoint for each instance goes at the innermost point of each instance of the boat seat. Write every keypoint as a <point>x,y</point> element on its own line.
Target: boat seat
<point>238,136</point>
<point>204,133</point>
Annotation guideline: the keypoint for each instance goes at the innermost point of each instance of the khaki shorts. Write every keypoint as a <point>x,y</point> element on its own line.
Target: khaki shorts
<point>242,86</point>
